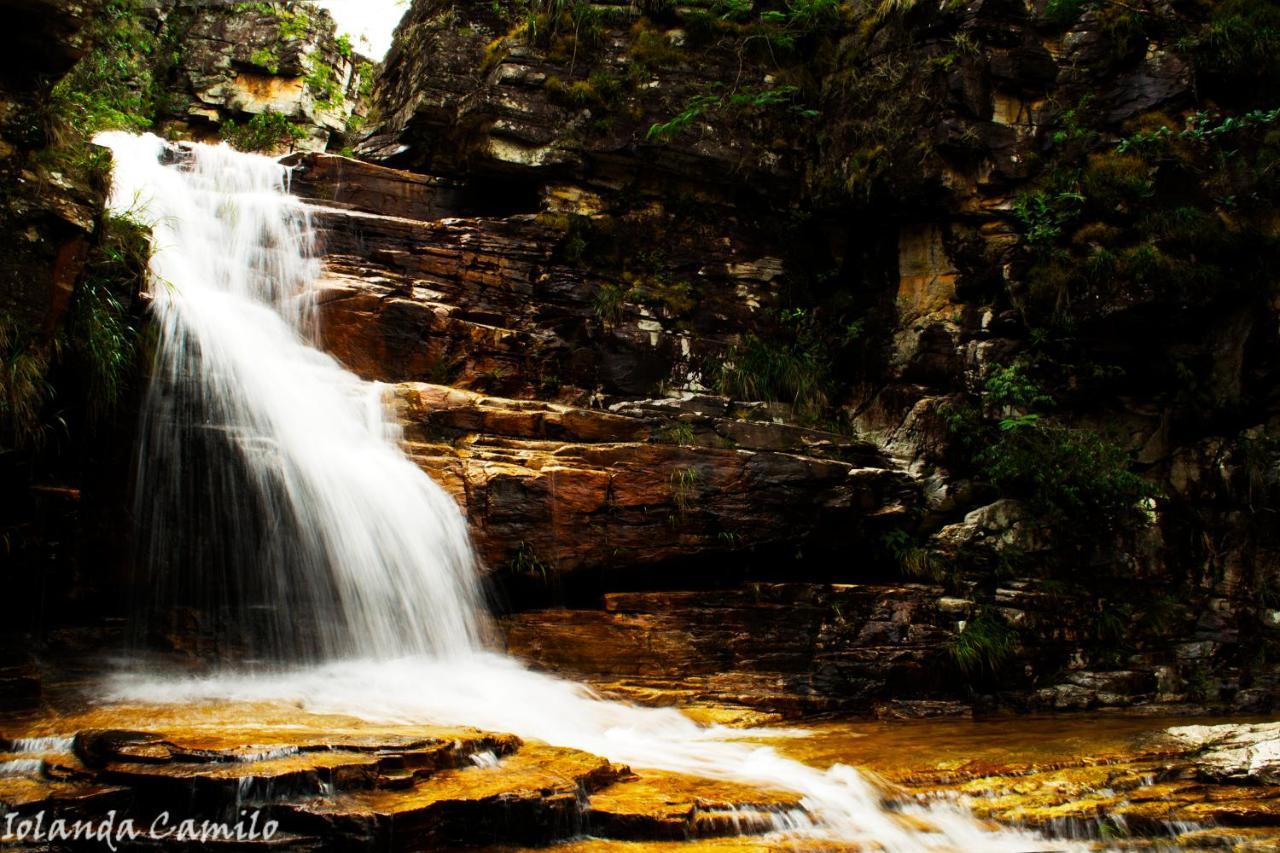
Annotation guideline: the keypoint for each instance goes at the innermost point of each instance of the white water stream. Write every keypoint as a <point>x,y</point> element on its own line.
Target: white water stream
<point>331,524</point>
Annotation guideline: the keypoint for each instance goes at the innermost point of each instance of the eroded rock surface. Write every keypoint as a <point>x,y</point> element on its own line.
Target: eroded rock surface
<point>612,480</point>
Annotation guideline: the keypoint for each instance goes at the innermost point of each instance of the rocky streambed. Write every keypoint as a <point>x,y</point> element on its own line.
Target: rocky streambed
<point>333,782</point>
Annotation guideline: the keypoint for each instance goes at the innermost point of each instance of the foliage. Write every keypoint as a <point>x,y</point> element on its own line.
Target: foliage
<point>365,71</point>
<point>102,334</point>
<point>323,83</point>
<point>1063,13</point>
<point>869,142</point>
<point>744,104</point>
<point>1201,127</point>
<point>608,303</point>
<point>1010,386</point>
<point>678,433</point>
<point>684,488</point>
<point>1237,52</point>
<point>565,28</point>
<point>112,87</point>
<point>24,387</point>
<point>526,562</point>
<point>292,18</point>
<point>264,132</point>
<point>1043,215</point>
<point>984,645</point>
<point>80,375</point>
<point>1074,479</point>
<point>915,560</point>
<point>795,369</point>
<point>1178,216</point>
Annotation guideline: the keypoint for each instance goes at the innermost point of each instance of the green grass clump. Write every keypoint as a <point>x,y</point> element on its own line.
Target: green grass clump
<point>684,489</point>
<point>1237,51</point>
<point>102,338</point>
<point>984,645</point>
<point>759,369</point>
<point>24,388</point>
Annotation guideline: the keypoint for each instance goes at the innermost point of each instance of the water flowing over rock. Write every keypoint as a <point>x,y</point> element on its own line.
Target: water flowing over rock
<point>364,546</point>
<point>247,425</point>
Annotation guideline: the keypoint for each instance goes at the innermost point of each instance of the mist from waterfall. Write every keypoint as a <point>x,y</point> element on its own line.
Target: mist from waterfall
<point>272,488</point>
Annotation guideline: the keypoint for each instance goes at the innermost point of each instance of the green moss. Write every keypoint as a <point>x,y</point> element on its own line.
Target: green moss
<point>267,58</point>
<point>650,48</point>
<point>323,83</point>
<point>1113,180</point>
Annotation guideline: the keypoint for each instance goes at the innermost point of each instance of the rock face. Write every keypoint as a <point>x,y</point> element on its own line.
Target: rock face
<point>956,306</point>
<point>241,62</point>
<point>953,211</point>
<point>422,290</point>
<point>781,649</point>
<point>48,213</point>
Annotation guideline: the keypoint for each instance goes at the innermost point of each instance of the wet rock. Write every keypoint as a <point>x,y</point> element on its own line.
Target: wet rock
<point>1234,753</point>
<point>790,648</point>
<point>530,797</point>
<point>668,806</point>
<point>922,709</point>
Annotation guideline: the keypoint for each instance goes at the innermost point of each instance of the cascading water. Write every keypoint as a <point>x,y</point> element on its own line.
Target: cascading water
<point>271,486</point>
<point>273,474</point>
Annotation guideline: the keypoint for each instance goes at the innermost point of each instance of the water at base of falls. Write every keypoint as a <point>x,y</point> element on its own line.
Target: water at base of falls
<point>272,483</point>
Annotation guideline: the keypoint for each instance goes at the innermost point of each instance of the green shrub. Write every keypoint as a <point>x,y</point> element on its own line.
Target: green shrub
<point>266,131</point>
<point>112,87</point>
<point>914,560</point>
<point>738,106</point>
<point>1044,214</point>
<point>1073,479</point>
<point>323,83</point>
<point>678,433</point>
<point>608,303</point>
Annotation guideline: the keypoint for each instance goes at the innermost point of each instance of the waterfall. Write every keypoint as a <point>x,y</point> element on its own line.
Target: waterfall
<point>271,485</point>
<point>272,482</point>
